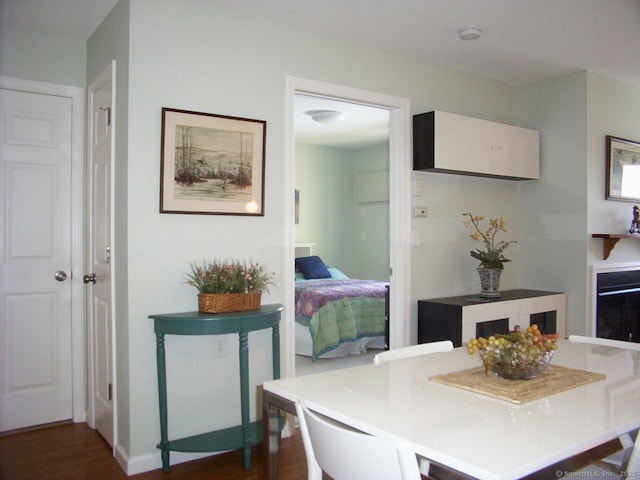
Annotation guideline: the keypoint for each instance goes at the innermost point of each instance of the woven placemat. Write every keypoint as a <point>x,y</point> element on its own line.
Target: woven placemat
<point>552,380</point>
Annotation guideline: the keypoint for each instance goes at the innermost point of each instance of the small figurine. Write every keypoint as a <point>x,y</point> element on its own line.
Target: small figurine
<point>635,223</point>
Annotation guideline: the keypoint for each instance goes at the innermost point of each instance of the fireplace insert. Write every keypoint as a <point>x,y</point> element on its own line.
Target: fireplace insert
<point>618,305</point>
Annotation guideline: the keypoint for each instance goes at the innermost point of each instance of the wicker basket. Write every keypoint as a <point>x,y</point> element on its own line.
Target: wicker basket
<point>228,302</point>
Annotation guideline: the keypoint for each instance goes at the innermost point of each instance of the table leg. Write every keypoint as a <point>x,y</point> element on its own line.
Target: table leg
<point>272,405</point>
<point>275,342</point>
<point>162,399</point>
<point>271,434</point>
<point>244,398</point>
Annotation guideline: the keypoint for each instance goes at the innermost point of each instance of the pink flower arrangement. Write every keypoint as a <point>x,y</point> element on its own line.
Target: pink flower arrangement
<point>229,276</point>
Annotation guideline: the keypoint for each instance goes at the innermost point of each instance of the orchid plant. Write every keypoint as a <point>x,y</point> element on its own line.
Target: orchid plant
<point>492,256</point>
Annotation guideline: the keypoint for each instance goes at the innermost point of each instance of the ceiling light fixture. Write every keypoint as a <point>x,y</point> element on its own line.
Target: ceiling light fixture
<point>469,33</point>
<point>325,116</point>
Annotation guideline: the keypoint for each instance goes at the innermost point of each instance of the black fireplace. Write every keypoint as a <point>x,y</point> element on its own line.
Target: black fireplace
<point>618,305</point>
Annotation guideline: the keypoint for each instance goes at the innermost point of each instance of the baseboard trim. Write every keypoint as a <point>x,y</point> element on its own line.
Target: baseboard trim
<point>153,461</point>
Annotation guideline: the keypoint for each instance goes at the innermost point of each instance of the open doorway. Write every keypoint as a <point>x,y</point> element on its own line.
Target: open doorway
<point>342,217</point>
<point>388,255</point>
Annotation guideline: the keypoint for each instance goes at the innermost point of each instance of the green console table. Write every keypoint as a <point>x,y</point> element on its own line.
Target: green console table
<point>194,323</point>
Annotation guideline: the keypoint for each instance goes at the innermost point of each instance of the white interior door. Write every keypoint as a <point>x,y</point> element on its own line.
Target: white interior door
<point>99,263</point>
<point>35,287</point>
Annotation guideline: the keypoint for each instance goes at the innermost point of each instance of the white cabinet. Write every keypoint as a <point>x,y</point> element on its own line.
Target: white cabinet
<point>449,143</point>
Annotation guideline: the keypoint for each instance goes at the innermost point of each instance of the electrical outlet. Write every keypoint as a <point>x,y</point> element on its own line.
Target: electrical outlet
<point>419,212</point>
<point>220,346</point>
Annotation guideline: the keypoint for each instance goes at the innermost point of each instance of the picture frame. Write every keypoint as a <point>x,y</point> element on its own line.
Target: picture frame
<point>211,164</point>
<point>623,169</point>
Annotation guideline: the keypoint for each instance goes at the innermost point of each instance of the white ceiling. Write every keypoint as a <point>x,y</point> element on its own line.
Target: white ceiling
<point>523,41</point>
<point>360,126</point>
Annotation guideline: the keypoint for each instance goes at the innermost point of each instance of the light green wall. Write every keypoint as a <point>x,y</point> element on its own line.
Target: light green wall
<point>370,243</point>
<point>348,233</point>
<point>560,212</point>
<point>192,56</point>
<point>553,210</point>
<point>612,110</point>
<point>42,57</point>
<point>324,178</point>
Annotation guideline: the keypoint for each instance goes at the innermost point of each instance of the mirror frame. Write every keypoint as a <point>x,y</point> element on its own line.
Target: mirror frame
<point>620,153</point>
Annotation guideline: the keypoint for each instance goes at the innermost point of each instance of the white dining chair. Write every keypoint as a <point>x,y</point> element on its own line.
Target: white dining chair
<point>413,351</point>
<point>627,460</point>
<point>607,342</point>
<point>350,455</point>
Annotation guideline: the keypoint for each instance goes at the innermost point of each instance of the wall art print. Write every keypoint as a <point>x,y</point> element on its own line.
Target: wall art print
<point>212,164</point>
<point>623,170</point>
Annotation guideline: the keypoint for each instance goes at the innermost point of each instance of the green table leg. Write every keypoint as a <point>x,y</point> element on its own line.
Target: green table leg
<point>162,397</point>
<point>244,398</point>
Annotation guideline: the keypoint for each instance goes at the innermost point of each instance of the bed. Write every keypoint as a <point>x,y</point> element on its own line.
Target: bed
<point>335,315</point>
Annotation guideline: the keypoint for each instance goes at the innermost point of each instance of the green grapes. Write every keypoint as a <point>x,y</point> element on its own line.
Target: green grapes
<point>516,355</point>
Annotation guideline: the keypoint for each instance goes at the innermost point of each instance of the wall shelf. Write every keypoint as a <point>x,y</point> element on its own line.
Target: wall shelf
<point>611,239</point>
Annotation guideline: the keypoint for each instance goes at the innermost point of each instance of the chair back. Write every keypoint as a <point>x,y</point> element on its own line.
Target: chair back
<point>630,459</point>
<point>633,463</point>
<point>413,351</point>
<point>349,455</point>
<point>605,342</point>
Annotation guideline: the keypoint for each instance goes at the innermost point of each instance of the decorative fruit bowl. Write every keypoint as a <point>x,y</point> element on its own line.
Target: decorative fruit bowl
<point>517,355</point>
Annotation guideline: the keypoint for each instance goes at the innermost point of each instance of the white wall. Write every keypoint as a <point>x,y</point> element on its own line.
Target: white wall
<point>111,42</point>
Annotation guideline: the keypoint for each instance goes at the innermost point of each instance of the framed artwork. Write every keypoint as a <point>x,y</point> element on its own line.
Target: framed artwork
<point>211,164</point>
<point>623,170</point>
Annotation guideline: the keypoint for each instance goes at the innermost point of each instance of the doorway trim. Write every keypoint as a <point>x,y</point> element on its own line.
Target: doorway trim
<point>78,358</point>
<point>399,202</point>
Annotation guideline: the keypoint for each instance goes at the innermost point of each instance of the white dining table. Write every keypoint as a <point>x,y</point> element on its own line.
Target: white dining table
<point>466,432</point>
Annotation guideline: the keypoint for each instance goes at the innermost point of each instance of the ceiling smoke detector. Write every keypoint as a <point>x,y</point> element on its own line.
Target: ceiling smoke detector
<point>469,33</point>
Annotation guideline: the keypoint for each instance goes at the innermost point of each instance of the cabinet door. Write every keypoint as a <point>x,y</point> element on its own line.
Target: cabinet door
<point>517,152</point>
<point>461,144</point>
<point>548,303</point>
<point>480,147</point>
<point>474,314</point>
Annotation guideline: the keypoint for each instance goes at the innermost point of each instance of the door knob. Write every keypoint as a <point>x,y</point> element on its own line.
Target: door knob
<point>89,278</point>
<point>60,276</point>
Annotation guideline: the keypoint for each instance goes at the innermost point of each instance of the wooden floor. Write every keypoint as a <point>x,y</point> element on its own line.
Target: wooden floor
<point>76,452</point>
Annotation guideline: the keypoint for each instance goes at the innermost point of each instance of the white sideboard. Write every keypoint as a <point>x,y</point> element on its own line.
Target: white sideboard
<point>457,318</point>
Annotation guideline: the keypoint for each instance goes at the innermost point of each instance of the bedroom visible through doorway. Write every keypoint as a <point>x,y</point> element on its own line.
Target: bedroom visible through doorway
<point>399,112</point>
<point>343,217</point>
